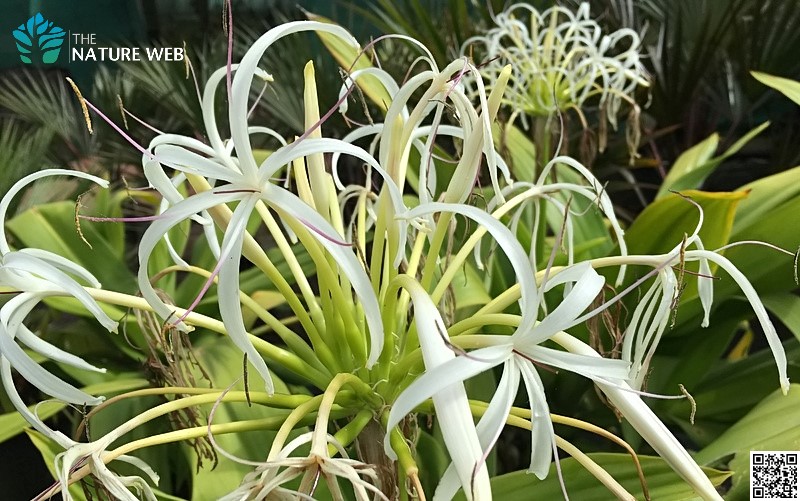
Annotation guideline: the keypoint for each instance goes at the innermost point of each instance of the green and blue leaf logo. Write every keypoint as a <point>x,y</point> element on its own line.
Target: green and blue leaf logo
<point>39,40</point>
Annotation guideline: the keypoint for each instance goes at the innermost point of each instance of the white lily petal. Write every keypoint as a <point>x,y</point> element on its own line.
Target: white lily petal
<point>312,146</point>
<point>507,241</point>
<point>758,308</point>
<point>184,160</point>
<point>117,485</point>
<point>17,187</point>
<point>590,367</point>
<point>440,378</point>
<point>705,283</point>
<point>489,427</point>
<point>451,403</point>
<point>63,264</point>
<point>647,424</point>
<point>39,377</point>
<point>583,294</point>
<point>156,231</point>
<point>30,264</point>
<point>13,395</point>
<point>230,307</point>
<point>542,434</point>
<point>39,345</point>
<point>243,79</point>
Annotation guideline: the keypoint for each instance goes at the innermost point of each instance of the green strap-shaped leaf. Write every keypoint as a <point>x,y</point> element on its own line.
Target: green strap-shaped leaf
<point>787,87</point>
<point>696,164</point>
<point>662,225</point>
<point>774,421</point>
<point>350,59</point>
<point>766,194</point>
<point>787,308</point>
<point>662,482</point>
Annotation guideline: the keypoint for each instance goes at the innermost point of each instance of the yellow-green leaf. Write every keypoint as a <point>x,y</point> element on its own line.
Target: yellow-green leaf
<point>663,483</point>
<point>351,60</point>
<point>787,87</point>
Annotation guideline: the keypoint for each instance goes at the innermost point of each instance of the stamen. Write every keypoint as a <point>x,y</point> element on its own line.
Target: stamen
<point>86,103</point>
<point>83,102</point>
<point>227,8</point>
<point>78,206</point>
<point>122,111</point>
<point>690,398</point>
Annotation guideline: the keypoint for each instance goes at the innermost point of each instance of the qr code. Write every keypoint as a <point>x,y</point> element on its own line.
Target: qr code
<point>773,475</point>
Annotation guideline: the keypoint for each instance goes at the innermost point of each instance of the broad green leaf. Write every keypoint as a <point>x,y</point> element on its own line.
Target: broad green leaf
<point>774,421</point>
<point>432,459</point>
<point>787,308</point>
<point>694,166</point>
<point>351,60</point>
<point>663,224</point>
<point>689,161</point>
<point>766,194</point>
<point>12,423</point>
<point>49,449</point>
<point>518,151</point>
<point>787,87</point>
<point>52,227</point>
<point>468,288</point>
<point>732,388</point>
<point>662,482</point>
<point>768,270</point>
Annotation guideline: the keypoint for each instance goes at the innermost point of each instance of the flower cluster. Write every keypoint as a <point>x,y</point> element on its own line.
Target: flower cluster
<point>560,60</point>
<point>379,253</point>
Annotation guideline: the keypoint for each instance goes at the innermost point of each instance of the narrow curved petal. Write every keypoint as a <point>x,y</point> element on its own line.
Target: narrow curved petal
<point>451,403</point>
<point>27,263</point>
<point>63,264</point>
<point>17,187</point>
<point>758,308</point>
<point>440,378</point>
<point>39,345</point>
<point>243,79</point>
<point>582,295</point>
<point>13,395</point>
<point>230,307</point>
<point>489,427</point>
<point>647,424</point>
<point>156,231</point>
<point>507,241</point>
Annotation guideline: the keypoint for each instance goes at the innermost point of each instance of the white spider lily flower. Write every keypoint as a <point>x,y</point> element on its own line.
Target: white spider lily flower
<point>560,59</point>
<point>239,179</point>
<point>652,315</point>
<point>267,480</point>
<point>518,352</point>
<point>90,454</point>
<point>37,274</point>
